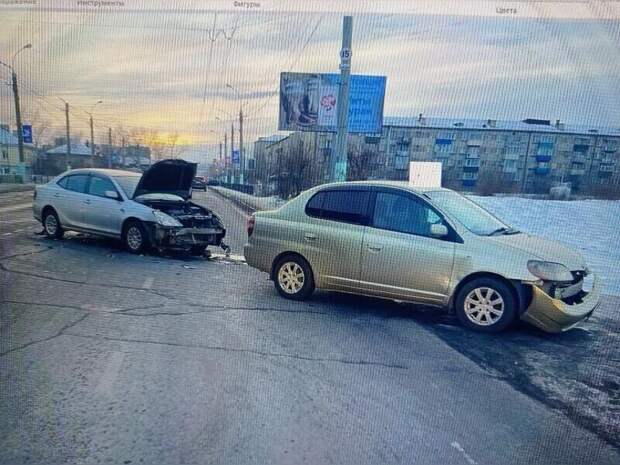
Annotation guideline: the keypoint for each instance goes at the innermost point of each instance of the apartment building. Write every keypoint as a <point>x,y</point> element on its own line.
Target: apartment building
<point>511,156</point>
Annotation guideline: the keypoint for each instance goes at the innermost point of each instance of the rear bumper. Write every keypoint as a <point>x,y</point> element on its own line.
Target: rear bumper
<point>554,315</point>
<point>184,238</point>
<point>257,259</point>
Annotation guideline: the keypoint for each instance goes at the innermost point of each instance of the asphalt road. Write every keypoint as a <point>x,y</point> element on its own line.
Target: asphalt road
<point>106,357</point>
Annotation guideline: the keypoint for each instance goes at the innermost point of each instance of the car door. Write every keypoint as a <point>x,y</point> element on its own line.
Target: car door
<point>103,214</point>
<point>400,258</point>
<point>332,236</point>
<point>69,203</point>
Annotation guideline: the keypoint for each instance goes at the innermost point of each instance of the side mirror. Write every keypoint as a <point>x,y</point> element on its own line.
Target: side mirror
<point>112,195</point>
<point>439,230</point>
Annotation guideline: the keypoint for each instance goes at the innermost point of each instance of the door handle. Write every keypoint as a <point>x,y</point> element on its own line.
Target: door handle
<point>374,248</point>
<point>56,195</point>
<point>310,237</point>
<point>87,201</point>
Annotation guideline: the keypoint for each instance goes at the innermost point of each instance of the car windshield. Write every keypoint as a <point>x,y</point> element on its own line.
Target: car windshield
<point>471,215</point>
<point>128,184</point>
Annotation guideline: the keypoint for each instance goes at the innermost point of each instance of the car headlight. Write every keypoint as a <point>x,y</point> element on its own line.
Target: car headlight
<point>549,271</point>
<point>165,220</point>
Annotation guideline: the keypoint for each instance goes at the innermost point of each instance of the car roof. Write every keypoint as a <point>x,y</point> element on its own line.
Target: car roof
<point>107,172</point>
<point>399,184</point>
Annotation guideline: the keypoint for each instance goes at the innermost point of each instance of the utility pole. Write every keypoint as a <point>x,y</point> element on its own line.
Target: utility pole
<point>338,161</point>
<point>109,147</point>
<point>232,149</point>
<point>220,163</point>
<point>241,155</point>
<point>123,151</point>
<point>18,117</point>
<point>226,157</point>
<point>68,160</point>
<point>92,143</point>
<point>18,113</point>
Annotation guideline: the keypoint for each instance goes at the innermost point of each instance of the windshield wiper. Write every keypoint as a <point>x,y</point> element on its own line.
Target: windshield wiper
<point>503,230</point>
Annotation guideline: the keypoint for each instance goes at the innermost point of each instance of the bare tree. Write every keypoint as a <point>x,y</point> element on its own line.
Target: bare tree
<point>360,158</point>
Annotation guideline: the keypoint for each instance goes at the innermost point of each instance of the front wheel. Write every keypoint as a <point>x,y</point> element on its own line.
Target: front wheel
<point>135,237</point>
<point>51,224</point>
<point>293,278</point>
<point>487,305</point>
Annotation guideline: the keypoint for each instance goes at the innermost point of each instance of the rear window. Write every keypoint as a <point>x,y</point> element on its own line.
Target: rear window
<point>347,206</point>
<point>76,183</point>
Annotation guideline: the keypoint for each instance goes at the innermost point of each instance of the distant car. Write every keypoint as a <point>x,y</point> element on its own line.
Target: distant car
<point>429,246</point>
<point>199,183</point>
<point>149,209</point>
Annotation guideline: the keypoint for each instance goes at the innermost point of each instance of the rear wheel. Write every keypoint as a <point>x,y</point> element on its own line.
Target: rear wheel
<point>51,224</point>
<point>135,237</point>
<point>486,305</point>
<point>293,278</point>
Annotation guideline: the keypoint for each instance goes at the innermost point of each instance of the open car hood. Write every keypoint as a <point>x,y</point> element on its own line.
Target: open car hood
<point>168,177</point>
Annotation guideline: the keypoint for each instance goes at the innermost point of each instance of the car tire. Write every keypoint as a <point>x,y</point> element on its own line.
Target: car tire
<point>293,278</point>
<point>486,305</point>
<point>51,224</point>
<point>135,238</point>
<point>198,250</point>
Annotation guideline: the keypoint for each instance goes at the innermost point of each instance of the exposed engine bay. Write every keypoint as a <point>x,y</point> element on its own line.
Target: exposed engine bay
<point>200,227</point>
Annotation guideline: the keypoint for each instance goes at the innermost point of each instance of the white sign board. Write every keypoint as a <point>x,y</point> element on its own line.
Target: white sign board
<point>425,174</point>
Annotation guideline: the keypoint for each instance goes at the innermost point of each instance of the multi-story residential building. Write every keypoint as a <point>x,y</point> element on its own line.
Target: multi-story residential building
<point>11,167</point>
<point>525,156</point>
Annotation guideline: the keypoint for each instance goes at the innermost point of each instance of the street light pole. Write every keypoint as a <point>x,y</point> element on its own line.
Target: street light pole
<point>18,113</point>
<point>241,154</point>
<point>68,159</point>
<point>338,162</point>
<point>92,135</point>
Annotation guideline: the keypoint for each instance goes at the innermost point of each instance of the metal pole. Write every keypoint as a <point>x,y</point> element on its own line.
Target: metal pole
<point>92,143</point>
<point>68,160</point>
<point>232,149</point>
<point>123,161</point>
<point>109,147</point>
<point>339,159</point>
<point>225,156</point>
<point>18,118</point>
<point>241,156</point>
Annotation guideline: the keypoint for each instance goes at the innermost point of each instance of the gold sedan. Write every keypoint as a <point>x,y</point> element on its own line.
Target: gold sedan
<point>428,246</point>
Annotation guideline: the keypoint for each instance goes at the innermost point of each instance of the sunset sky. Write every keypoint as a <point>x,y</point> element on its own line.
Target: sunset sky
<point>167,71</point>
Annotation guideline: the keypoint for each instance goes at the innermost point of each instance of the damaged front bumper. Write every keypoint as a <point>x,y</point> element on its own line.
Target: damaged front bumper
<point>556,315</point>
<point>165,237</point>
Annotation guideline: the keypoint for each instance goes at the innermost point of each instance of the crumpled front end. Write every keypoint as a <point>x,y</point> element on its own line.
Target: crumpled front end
<point>565,309</point>
<point>184,238</point>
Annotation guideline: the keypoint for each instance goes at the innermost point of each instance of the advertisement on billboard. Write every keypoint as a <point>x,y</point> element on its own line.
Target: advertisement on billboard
<point>309,102</point>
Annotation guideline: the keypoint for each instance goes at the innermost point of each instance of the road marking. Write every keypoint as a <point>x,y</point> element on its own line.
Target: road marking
<point>7,234</point>
<point>148,283</point>
<point>23,220</point>
<point>458,447</point>
<point>21,206</point>
<point>110,373</point>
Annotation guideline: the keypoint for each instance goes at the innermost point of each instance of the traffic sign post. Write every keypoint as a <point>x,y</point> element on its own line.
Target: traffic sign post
<point>27,133</point>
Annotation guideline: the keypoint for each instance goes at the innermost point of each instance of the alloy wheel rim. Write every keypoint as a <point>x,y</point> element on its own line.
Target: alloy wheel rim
<point>291,277</point>
<point>134,238</point>
<point>484,306</point>
<point>51,225</point>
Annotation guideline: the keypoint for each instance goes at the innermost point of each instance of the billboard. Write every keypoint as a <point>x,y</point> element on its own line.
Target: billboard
<point>309,102</point>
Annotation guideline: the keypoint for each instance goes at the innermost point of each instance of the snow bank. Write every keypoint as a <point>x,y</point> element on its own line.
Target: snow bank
<point>251,201</point>
<point>590,226</point>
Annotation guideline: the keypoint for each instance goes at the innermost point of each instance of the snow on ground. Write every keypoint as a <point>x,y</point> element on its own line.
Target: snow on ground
<point>590,226</point>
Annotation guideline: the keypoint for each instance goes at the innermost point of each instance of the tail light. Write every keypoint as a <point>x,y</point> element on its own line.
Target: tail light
<point>250,225</point>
